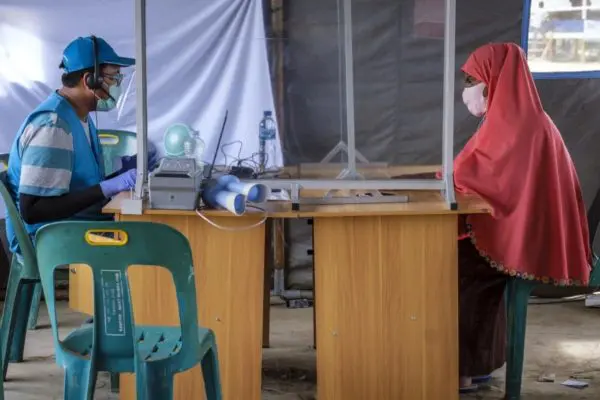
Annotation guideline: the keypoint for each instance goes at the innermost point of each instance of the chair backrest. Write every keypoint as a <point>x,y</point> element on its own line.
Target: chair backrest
<point>3,161</point>
<point>115,144</point>
<point>30,269</point>
<point>137,243</point>
<point>3,167</point>
<point>594,216</point>
<point>593,222</point>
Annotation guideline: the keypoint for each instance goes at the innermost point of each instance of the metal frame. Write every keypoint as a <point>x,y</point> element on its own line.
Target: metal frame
<point>357,199</point>
<point>350,172</point>
<point>446,185</point>
<point>448,118</point>
<point>295,185</point>
<point>141,108</point>
<point>339,184</point>
<point>342,147</point>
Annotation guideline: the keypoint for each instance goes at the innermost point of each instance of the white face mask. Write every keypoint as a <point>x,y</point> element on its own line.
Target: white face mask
<point>474,99</point>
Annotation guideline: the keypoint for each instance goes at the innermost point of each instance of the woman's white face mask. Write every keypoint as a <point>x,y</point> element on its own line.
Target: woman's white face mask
<point>475,100</point>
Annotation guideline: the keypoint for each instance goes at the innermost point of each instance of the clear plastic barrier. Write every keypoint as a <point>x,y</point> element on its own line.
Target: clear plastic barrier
<point>392,99</point>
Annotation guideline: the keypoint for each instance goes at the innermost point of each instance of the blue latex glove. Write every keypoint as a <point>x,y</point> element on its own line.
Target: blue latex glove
<point>118,184</point>
<point>130,162</point>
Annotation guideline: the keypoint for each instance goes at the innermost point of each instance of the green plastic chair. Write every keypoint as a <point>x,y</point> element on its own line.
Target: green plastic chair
<point>116,144</point>
<point>114,342</point>
<point>1,387</point>
<point>23,283</point>
<point>517,300</point>
<point>37,291</point>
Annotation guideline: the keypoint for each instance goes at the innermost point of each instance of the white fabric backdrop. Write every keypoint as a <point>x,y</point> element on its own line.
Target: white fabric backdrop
<point>204,57</point>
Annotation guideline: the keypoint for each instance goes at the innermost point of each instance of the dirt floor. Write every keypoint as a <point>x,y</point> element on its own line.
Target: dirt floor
<point>562,339</point>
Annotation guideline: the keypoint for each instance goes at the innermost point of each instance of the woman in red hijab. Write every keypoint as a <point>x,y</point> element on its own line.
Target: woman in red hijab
<point>518,163</point>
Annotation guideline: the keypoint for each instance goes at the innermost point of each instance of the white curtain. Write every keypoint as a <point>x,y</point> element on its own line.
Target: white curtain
<point>204,57</point>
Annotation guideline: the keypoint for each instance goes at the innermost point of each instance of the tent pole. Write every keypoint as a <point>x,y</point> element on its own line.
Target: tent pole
<point>141,109</point>
<point>448,117</point>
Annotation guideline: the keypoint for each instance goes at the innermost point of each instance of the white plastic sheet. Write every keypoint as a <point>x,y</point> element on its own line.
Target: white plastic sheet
<point>204,57</point>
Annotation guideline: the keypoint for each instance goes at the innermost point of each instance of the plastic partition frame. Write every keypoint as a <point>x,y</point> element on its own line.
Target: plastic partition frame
<point>141,109</point>
<point>446,185</point>
<point>349,72</point>
<point>448,117</point>
<point>342,184</point>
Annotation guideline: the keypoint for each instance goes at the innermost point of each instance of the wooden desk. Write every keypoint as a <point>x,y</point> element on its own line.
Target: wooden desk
<point>386,292</point>
<point>385,280</point>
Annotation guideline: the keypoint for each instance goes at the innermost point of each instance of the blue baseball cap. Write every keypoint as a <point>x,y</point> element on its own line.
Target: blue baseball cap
<point>79,54</point>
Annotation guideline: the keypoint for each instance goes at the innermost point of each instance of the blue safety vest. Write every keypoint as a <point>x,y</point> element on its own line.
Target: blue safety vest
<point>88,164</point>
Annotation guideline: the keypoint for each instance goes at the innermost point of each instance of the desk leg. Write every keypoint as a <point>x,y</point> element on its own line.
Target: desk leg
<point>267,283</point>
<point>266,328</point>
<point>314,291</point>
<point>388,307</point>
<point>229,270</point>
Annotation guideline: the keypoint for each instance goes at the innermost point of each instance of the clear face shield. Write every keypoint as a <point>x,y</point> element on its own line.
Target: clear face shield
<point>112,87</point>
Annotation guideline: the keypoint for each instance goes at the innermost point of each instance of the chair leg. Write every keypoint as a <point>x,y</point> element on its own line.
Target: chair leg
<point>23,305</point>
<point>115,382</point>
<point>518,292</point>
<point>80,380</point>
<point>211,375</point>
<point>9,315</point>
<point>153,382</point>
<point>35,307</point>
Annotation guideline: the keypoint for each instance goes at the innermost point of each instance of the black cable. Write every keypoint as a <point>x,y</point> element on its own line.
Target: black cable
<point>218,145</point>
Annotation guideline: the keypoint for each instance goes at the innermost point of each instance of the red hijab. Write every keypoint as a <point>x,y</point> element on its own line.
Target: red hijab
<point>518,163</point>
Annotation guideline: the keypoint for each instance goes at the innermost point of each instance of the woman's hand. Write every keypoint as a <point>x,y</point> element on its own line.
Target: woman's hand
<point>130,162</point>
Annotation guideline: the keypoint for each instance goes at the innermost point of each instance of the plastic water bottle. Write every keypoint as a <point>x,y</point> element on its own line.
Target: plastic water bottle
<point>267,134</point>
<point>194,148</point>
<point>198,149</point>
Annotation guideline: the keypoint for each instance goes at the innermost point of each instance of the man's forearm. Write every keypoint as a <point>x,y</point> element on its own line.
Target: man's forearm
<point>36,209</point>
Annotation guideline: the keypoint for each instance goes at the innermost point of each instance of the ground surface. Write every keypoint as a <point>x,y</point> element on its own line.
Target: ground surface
<point>562,339</point>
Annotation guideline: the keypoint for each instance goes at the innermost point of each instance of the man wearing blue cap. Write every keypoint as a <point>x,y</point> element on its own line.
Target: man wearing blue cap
<point>55,168</point>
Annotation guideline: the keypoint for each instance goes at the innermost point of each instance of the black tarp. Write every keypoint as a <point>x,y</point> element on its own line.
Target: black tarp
<point>398,87</point>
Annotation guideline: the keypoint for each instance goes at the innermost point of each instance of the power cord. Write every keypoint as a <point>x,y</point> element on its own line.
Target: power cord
<point>239,153</point>
<point>238,161</point>
<point>232,229</point>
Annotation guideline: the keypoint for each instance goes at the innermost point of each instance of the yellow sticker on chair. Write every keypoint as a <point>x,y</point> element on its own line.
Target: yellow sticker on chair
<point>106,237</point>
<point>108,139</point>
